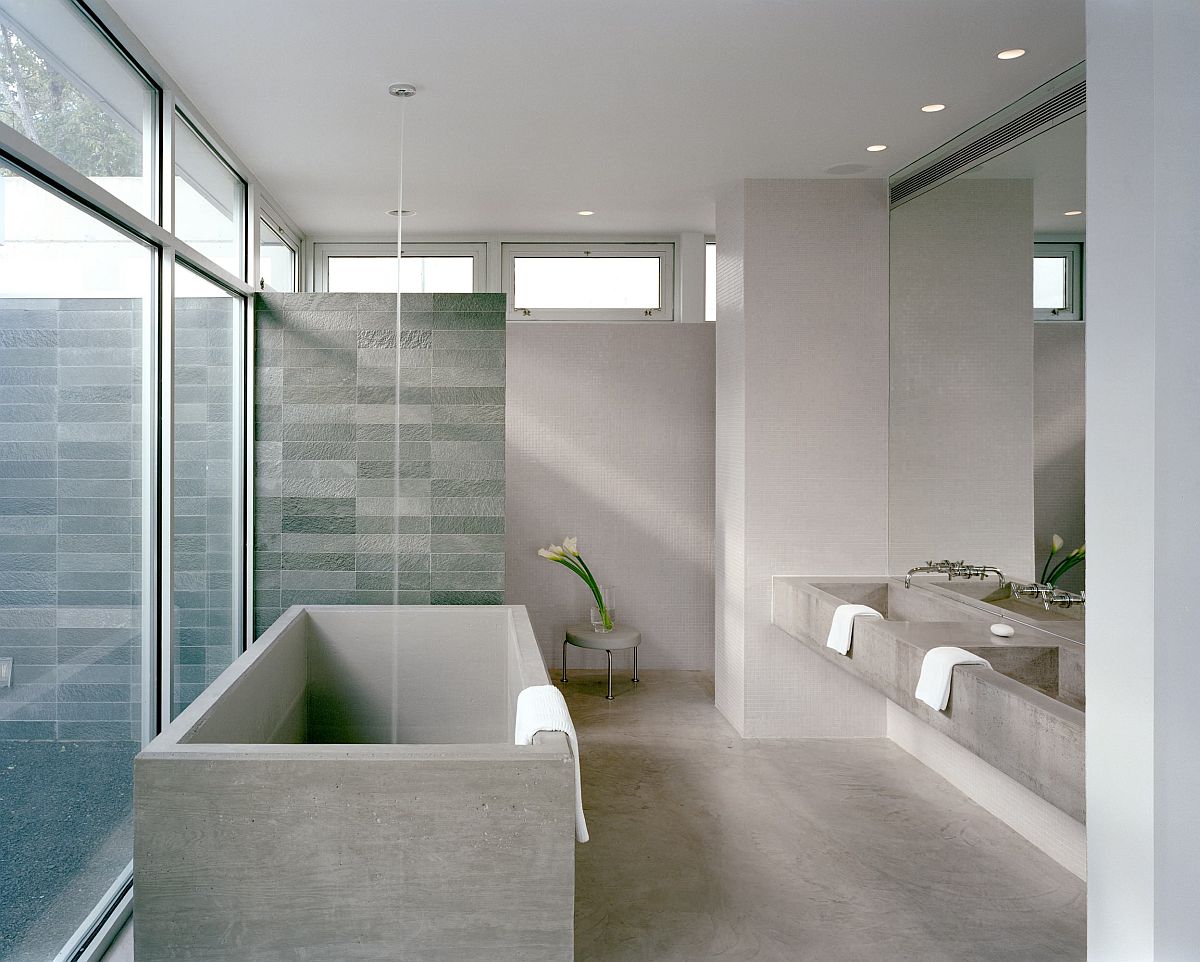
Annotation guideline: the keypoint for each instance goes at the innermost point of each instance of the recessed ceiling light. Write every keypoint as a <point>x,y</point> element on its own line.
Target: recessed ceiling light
<point>877,147</point>
<point>405,213</point>
<point>585,213</point>
<point>933,108</point>
<point>1012,54</point>
<point>1072,213</point>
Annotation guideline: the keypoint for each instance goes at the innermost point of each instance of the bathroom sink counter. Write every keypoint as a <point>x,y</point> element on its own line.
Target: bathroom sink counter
<point>1024,718</point>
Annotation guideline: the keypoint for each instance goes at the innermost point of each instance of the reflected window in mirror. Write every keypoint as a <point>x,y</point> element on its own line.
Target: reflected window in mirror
<point>1057,282</point>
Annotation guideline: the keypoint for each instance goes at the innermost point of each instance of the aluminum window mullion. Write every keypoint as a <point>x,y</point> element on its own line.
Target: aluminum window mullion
<point>151,468</point>
<point>166,490</point>
<point>247,478</point>
<point>240,546</point>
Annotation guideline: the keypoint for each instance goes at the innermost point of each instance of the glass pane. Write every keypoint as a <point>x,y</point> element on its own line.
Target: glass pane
<point>1050,276</point>
<point>74,297</point>
<point>276,260</point>
<point>206,322</point>
<point>422,275</point>
<point>572,283</point>
<point>69,90</point>
<point>210,200</point>
<point>710,282</point>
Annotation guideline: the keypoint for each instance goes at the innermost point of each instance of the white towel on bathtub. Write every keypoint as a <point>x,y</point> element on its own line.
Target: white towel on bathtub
<point>841,631</point>
<point>542,708</point>
<point>937,668</point>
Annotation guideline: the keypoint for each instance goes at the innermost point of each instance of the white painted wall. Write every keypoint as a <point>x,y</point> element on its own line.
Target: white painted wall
<point>802,375</point>
<point>1143,479</point>
<point>961,437</point>
<point>610,439</point>
<point>729,679</point>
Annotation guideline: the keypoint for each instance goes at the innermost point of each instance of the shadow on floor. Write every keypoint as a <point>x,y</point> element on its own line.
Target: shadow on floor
<point>708,846</point>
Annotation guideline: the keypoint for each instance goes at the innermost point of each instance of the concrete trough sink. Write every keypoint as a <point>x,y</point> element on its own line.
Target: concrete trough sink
<point>1024,718</point>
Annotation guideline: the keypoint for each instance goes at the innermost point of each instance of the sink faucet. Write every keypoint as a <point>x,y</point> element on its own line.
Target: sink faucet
<point>934,567</point>
<point>954,569</point>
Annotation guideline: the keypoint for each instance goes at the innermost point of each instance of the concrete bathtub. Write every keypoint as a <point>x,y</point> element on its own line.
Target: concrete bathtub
<point>348,789</point>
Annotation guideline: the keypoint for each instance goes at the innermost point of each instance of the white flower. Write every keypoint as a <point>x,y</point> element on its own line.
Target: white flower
<point>553,553</point>
<point>571,545</point>
<point>1056,544</point>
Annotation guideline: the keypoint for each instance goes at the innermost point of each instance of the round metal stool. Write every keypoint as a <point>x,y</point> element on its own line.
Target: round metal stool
<point>582,636</point>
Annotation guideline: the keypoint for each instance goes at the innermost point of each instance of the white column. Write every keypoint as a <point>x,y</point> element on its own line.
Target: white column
<point>802,464</point>
<point>1143,479</point>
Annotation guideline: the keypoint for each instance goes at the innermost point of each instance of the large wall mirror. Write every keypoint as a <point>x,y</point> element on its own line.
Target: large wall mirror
<point>988,255</point>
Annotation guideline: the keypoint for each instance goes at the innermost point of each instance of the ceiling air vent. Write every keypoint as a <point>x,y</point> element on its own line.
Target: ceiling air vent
<point>1047,114</point>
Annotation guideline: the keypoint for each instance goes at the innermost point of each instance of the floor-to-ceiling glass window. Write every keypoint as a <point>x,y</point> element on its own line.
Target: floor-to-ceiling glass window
<point>75,296</point>
<point>205,636</point>
<point>124,283</point>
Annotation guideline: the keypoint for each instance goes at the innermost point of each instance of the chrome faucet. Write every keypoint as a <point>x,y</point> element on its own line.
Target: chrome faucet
<point>933,567</point>
<point>954,569</point>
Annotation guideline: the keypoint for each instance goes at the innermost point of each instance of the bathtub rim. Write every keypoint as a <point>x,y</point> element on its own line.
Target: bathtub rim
<point>531,666</point>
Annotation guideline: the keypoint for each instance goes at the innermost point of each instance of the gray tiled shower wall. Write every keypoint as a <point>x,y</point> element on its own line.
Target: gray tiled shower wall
<point>360,462</point>
<point>70,511</point>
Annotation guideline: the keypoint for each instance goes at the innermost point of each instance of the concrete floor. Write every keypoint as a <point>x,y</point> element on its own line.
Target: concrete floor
<point>707,846</point>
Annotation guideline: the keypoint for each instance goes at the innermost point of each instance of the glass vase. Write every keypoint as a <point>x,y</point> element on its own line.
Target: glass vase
<point>603,617</point>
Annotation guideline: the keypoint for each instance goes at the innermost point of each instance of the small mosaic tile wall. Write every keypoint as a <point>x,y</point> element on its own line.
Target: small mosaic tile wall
<point>329,525</point>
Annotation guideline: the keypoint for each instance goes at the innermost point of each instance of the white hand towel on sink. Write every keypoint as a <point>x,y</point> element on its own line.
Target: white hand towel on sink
<point>542,708</point>
<point>841,632</point>
<point>937,669</point>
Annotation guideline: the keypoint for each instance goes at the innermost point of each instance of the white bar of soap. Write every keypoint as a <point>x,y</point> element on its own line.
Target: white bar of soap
<point>1003,630</point>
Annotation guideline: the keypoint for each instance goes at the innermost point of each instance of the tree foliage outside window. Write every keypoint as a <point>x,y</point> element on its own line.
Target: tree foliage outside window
<point>54,113</point>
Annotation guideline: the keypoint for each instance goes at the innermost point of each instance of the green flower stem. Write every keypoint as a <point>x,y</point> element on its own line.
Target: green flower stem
<point>1063,567</point>
<point>1046,566</point>
<point>586,574</point>
<point>600,605</point>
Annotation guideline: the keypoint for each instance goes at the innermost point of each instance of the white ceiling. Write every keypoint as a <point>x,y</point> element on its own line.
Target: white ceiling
<point>1055,161</point>
<point>641,110</point>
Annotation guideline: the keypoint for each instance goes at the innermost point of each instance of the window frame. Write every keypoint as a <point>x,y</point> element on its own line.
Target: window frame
<point>664,251</point>
<point>1073,252</point>
<point>322,251</point>
<point>291,242</point>
<point>152,117</point>
<point>244,259</point>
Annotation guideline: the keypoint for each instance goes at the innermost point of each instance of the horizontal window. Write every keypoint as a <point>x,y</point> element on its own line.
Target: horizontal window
<point>589,282</point>
<point>71,91</point>
<point>424,269</point>
<point>276,259</point>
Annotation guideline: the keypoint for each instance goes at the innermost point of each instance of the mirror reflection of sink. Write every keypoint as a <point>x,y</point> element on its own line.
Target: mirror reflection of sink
<point>897,603</point>
<point>1053,670</point>
<point>1002,597</point>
